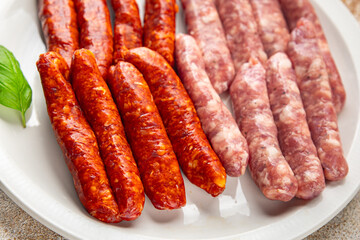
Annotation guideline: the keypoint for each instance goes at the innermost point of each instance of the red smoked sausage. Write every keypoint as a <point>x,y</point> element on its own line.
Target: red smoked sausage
<point>203,23</point>
<point>293,11</point>
<point>315,90</point>
<point>272,26</point>
<point>60,30</point>
<point>267,165</point>
<point>95,31</point>
<point>194,153</point>
<point>77,140</point>
<point>216,120</point>
<point>127,30</point>
<point>241,31</point>
<point>293,131</point>
<point>101,112</point>
<point>158,166</point>
<point>159,27</point>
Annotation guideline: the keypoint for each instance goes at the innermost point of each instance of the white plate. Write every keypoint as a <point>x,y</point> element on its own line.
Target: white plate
<point>33,172</point>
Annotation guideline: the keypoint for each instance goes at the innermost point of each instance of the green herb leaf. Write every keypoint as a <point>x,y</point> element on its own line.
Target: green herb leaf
<point>15,91</point>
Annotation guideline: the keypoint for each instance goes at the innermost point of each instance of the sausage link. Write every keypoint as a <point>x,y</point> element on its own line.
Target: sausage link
<point>241,31</point>
<point>216,120</point>
<point>77,141</point>
<point>268,166</point>
<point>159,169</point>
<point>315,91</point>
<point>203,23</point>
<point>60,30</point>
<point>272,26</point>
<point>100,110</point>
<point>159,27</point>
<point>194,153</point>
<point>127,30</point>
<point>293,11</point>
<point>95,31</point>
<point>293,131</point>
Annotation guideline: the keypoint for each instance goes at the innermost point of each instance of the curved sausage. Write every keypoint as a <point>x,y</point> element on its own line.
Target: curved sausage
<point>194,153</point>
<point>315,91</point>
<point>101,112</point>
<point>216,120</point>
<point>293,11</point>
<point>267,165</point>
<point>77,141</point>
<point>241,31</point>
<point>95,31</point>
<point>272,26</point>
<point>159,169</point>
<point>127,30</point>
<point>159,27</point>
<point>60,30</point>
<point>293,131</point>
<point>203,23</point>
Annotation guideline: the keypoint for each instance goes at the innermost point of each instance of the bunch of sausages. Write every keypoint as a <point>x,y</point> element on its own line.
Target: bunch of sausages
<point>127,122</point>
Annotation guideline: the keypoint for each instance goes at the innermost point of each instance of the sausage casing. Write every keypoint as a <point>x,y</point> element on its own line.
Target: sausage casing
<point>101,112</point>
<point>77,141</point>
<point>312,79</point>
<point>267,165</point>
<point>293,131</point>
<point>159,27</point>
<point>216,120</point>
<point>194,153</point>
<point>60,30</point>
<point>95,31</point>
<point>127,30</point>
<point>158,166</point>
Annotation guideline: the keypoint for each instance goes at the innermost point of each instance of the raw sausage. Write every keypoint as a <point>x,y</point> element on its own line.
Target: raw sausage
<point>159,27</point>
<point>241,31</point>
<point>95,31</point>
<point>127,29</point>
<point>77,140</point>
<point>294,10</point>
<point>101,112</point>
<point>216,120</point>
<point>194,153</point>
<point>272,26</point>
<point>315,91</point>
<point>293,131</point>
<point>203,23</point>
<point>60,30</point>
<point>158,166</point>
<point>267,165</point>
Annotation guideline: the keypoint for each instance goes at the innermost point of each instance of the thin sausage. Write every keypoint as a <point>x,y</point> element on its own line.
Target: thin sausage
<point>60,30</point>
<point>159,27</point>
<point>158,166</point>
<point>241,31</point>
<point>194,153</point>
<point>296,9</point>
<point>267,165</point>
<point>127,30</point>
<point>95,31</point>
<point>315,91</point>
<point>293,131</point>
<point>272,26</point>
<point>203,23</point>
<point>77,140</point>
<point>101,112</point>
<point>216,120</point>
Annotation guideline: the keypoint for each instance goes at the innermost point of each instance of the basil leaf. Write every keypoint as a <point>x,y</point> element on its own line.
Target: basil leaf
<point>15,91</point>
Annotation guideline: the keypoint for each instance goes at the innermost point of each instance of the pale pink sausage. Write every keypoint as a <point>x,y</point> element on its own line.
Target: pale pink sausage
<point>312,79</point>
<point>216,120</point>
<point>267,165</point>
<point>293,131</point>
